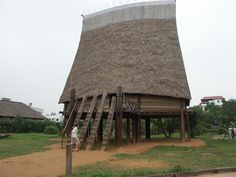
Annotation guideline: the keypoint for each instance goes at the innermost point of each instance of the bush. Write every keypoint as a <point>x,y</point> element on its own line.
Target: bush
<point>51,129</point>
<point>22,125</point>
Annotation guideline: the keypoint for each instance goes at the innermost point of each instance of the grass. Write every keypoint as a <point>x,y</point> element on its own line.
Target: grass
<point>217,153</point>
<point>24,143</point>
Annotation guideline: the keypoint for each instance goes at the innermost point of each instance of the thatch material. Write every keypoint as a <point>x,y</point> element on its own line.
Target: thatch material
<point>142,56</point>
<point>13,109</point>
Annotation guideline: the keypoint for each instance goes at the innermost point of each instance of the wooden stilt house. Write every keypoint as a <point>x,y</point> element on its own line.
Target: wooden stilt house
<point>129,67</point>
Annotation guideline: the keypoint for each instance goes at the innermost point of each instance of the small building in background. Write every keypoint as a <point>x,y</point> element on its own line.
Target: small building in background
<point>216,100</point>
<point>13,109</point>
<point>55,117</point>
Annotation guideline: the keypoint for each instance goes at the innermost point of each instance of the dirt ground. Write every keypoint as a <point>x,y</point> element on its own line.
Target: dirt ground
<point>51,163</point>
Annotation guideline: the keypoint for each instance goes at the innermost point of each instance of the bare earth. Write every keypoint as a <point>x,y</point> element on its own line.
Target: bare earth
<point>51,163</point>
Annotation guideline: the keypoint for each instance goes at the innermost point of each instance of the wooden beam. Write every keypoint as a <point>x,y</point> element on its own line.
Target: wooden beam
<point>119,117</point>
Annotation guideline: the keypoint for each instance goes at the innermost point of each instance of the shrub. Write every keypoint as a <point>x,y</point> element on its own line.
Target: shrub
<point>51,129</point>
<point>22,125</point>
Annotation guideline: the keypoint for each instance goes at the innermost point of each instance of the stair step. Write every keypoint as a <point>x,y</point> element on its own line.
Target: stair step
<point>97,121</point>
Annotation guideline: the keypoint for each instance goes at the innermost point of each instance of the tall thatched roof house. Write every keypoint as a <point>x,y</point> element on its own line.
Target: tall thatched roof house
<point>136,47</point>
<point>12,109</point>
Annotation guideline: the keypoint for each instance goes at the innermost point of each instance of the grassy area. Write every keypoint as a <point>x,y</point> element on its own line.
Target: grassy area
<point>217,153</point>
<point>24,143</point>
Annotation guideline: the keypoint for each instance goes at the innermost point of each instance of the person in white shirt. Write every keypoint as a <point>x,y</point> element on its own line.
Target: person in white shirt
<point>74,136</point>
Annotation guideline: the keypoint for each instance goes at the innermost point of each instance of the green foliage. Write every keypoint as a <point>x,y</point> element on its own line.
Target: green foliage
<point>166,126</point>
<point>229,112</point>
<point>24,143</point>
<point>51,129</point>
<point>215,119</point>
<point>196,121</point>
<point>21,125</point>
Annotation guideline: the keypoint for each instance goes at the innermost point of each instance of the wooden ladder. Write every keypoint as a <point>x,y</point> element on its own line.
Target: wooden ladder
<point>80,112</point>
<point>82,136</point>
<point>96,123</point>
<point>108,124</point>
<point>70,120</point>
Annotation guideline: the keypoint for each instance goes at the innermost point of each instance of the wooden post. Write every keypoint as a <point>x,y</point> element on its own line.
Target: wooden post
<point>128,130</point>
<point>147,127</point>
<point>68,138</point>
<point>188,126</point>
<point>133,131</point>
<point>138,124</point>
<point>64,123</point>
<point>138,129</point>
<point>182,126</point>
<point>118,117</point>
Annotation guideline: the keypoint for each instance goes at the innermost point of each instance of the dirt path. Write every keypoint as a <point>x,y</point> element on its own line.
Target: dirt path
<point>51,163</point>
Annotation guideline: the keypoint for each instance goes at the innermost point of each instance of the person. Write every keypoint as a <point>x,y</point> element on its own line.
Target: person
<point>74,137</point>
<point>233,133</point>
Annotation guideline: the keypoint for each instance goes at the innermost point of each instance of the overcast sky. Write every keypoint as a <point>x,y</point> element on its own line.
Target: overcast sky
<point>39,39</point>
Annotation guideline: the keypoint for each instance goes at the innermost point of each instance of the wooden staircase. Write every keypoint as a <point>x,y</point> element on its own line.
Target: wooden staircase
<point>80,111</point>
<point>107,130</point>
<point>70,120</point>
<point>79,107</point>
<point>82,137</point>
<point>96,123</point>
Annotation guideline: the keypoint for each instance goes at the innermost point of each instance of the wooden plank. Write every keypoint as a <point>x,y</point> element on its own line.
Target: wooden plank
<point>107,130</point>
<point>87,121</point>
<point>80,111</point>
<point>96,123</point>
<point>71,118</point>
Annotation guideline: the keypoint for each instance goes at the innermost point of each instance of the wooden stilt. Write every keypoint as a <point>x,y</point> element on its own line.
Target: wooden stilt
<point>64,123</point>
<point>138,130</point>
<point>128,130</point>
<point>119,117</point>
<point>182,127</point>
<point>188,126</point>
<point>133,131</point>
<point>147,127</point>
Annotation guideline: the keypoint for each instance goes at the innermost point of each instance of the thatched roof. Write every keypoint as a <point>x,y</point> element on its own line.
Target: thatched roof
<point>142,55</point>
<point>17,109</point>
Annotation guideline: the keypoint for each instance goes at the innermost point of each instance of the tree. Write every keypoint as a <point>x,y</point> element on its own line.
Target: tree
<point>196,121</point>
<point>228,113</point>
